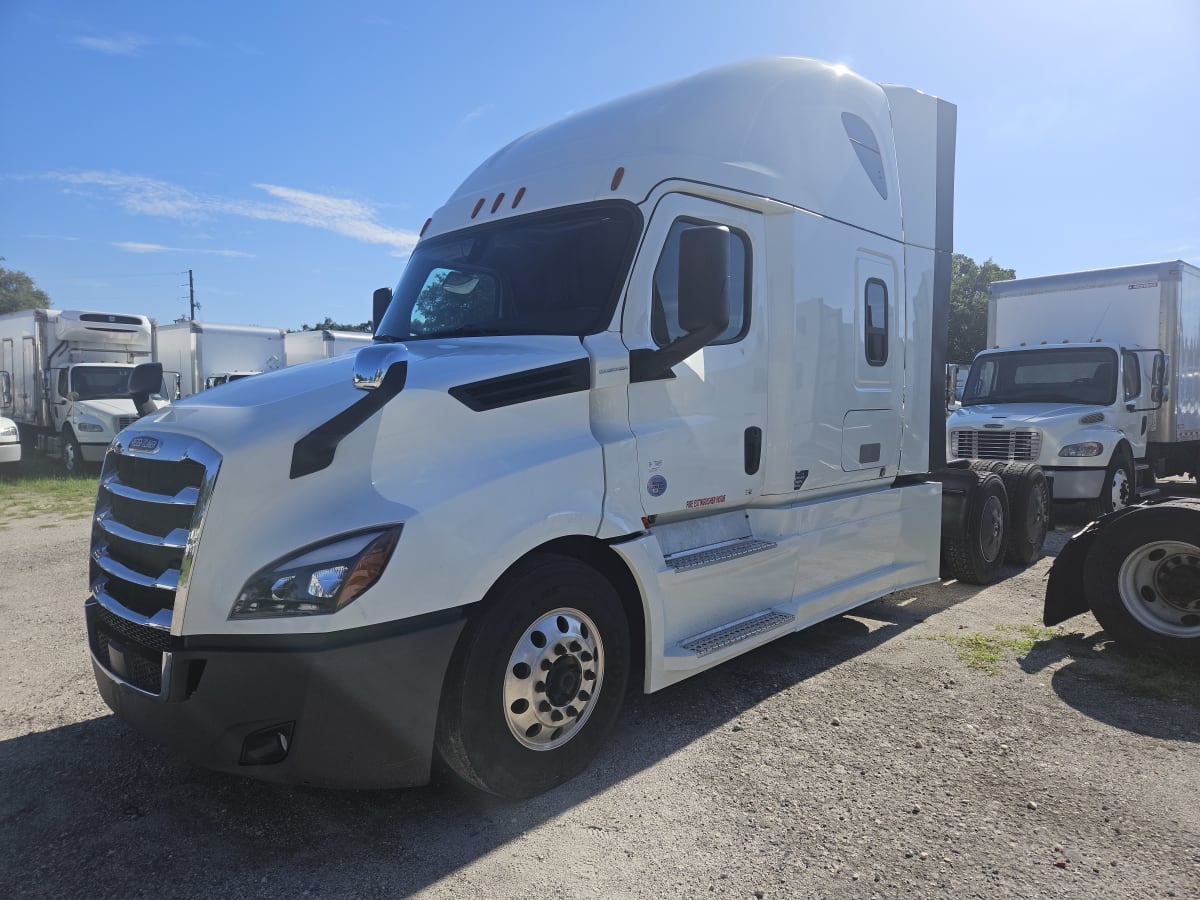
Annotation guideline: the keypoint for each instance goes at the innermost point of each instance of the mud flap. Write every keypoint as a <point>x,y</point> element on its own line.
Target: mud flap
<point>1065,595</point>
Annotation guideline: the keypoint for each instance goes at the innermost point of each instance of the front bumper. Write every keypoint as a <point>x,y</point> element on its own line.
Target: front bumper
<point>358,709</point>
<point>10,453</point>
<point>1076,483</point>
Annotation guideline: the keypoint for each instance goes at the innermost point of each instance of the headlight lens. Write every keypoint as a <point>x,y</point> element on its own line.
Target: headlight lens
<point>8,431</point>
<point>1087,448</point>
<point>88,426</point>
<point>318,581</point>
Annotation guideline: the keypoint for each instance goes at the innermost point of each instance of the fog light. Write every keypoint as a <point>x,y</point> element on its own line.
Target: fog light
<point>268,746</point>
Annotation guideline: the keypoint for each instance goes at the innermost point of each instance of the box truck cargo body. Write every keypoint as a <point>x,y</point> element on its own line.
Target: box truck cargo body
<point>322,343</point>
<point>206,354</point>
<point>1093,375</point>
<point>67,374</point>
<point>660,383</point>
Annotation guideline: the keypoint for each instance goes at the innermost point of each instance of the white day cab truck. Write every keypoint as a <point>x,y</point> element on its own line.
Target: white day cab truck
<point>64,378</point>
<point>1095,376</point>
<point>206,354</point>
<point>321,343</point>
<point>660,383</point>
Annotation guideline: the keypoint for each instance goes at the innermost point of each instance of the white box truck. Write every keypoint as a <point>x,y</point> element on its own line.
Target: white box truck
<point>321,343</point>
<point>1093,375</point>
<point>64,378</point>
<point>207,354</point>
<point>660,383</point>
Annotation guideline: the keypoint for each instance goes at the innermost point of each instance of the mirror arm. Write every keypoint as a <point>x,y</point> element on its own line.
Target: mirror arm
<point>649,365</point>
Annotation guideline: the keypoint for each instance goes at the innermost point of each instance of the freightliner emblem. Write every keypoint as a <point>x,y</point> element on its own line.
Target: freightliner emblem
<point>144,444</point>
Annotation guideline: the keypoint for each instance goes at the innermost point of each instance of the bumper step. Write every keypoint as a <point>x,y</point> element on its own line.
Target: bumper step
<point>735,632</point>
<point>710,556</point>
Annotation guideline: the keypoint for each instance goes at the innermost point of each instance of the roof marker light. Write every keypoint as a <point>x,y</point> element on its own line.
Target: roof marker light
<point>517,198</point>
<point>478,207</point>
<point>617,176</point>
<point>499,199</point>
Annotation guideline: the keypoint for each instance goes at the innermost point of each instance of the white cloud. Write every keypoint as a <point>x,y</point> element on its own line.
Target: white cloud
<point>149,196</point>
<point>138,247</point>
<point>115,45</point>
<point>477,113</point>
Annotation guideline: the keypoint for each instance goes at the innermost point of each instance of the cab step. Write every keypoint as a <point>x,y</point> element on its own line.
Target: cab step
<point>740,630</point>
<point>711,555</point>
<point>1144,483</point>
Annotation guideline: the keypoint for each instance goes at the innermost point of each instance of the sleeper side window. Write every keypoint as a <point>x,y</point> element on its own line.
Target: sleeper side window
<point>875,322</point>
<point>664,310</point>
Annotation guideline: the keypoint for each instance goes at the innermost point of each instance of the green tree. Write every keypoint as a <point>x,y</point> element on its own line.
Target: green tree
<point>968,305</point>
<point>331,325</point>
<point>17,292</point>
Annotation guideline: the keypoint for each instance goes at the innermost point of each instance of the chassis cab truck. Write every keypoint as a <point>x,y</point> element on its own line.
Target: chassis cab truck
<point>660,383</point>
<point>206,354</point>
<point>67,376</point>
<point>1095,376</point>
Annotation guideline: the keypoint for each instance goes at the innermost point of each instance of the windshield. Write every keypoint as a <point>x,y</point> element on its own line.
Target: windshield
<point>557,273</point>
<point>106,383</point>
<point>1052,375</point>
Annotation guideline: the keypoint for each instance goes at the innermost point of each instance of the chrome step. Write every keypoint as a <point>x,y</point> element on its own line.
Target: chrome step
<point>711,641</point>
<point>710,556</point>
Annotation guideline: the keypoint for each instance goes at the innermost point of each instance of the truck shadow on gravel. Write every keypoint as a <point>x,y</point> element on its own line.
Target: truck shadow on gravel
<point>94,809</point>
<point>1141,695</point>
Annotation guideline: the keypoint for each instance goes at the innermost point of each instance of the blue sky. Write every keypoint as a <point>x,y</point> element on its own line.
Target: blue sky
<point>288,153</point>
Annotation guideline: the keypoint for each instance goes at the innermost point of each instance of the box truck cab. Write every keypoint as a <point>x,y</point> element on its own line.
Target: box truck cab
<point>68,373</point>
<point>1092,375</point>
<point>660,383</point>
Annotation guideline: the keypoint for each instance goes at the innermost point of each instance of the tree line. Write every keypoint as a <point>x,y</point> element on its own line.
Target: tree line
<point>967,333</point>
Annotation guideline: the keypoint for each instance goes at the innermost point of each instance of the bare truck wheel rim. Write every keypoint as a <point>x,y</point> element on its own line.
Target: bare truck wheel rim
<point>553,679</point>
<point>1160,587</point>
<point>1121,490</point>
<point>991,529</point>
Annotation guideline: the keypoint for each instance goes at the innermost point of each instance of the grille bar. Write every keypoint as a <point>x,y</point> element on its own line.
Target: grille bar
<point>166,581</point>
<point>186,497</point>
<point>1022,445</point>
<point>176,540</point>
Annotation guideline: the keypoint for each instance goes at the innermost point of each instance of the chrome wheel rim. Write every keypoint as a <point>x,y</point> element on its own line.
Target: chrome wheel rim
<point>1122,493</point>
<point>1159,585</point>
<point>555,673</point>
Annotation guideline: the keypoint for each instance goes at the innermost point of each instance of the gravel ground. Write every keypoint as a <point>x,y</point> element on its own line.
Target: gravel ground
<point>882,754</point>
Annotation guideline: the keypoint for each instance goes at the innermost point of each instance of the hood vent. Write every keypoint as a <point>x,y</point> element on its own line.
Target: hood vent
<point>521,387</point>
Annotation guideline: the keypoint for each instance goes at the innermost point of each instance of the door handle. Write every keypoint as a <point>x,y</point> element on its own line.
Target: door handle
<point>752,444</point>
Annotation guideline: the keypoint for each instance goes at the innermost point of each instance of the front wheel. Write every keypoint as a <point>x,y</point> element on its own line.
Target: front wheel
<point>72,456</point>
<point>1118,491</point>
<point>1143,581</point>
<point>537,679</point>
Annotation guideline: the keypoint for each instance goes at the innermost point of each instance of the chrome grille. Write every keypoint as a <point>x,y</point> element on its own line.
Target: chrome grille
<point>149,511</point>
<point>969,443</point>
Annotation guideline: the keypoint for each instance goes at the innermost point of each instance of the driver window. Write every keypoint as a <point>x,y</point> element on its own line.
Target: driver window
<point>63,386</point>
<point>1131,375</point>
<point>664,310</point>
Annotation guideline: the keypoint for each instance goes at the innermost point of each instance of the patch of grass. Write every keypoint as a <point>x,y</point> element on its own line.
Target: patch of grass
<point>39,487</point>
<point>985,651</point>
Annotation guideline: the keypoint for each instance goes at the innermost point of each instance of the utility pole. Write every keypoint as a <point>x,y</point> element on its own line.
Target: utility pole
<point>191,296</point>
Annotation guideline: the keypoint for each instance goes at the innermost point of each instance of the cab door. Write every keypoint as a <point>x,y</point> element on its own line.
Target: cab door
<point>700,427</point>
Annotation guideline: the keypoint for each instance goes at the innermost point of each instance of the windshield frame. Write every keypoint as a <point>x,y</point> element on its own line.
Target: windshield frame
<point>396,323</point>
<point>1042,395</point>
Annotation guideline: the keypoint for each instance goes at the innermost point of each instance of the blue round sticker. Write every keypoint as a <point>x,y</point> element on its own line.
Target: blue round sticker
<point>656,486</point>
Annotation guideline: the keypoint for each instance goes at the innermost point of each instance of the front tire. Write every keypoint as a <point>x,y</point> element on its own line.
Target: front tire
<point>1143,581</point>
<point>537,680</point>
<point>72,456</point>
<point>1118,491</point>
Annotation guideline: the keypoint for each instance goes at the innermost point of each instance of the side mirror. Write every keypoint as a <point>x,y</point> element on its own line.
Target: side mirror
<point>144,380</point>
<point>704,279</point>
<point>380,301</point>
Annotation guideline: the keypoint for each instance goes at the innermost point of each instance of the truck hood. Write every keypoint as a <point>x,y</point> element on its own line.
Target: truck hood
<point>107,407</point>
<point>289,403</point>
<point>1012,414</point>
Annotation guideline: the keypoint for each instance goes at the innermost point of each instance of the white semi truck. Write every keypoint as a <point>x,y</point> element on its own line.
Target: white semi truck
<point>660,383</point>
<point>1095,376</point>
<point>207,354</point>
<point>321,343</point>
<point>67,377</point>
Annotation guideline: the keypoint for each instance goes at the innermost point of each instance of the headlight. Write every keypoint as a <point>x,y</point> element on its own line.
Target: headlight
<point>88,426</point>
<point>9,431</point>
<point>1087,448</point>
<point>317,581</point>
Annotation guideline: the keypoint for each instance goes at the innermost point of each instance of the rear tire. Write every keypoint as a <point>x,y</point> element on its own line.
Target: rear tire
<point>1029,502</point>
<point>1142,580</point>
<point>975,557</point>
<point>537,679</point>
